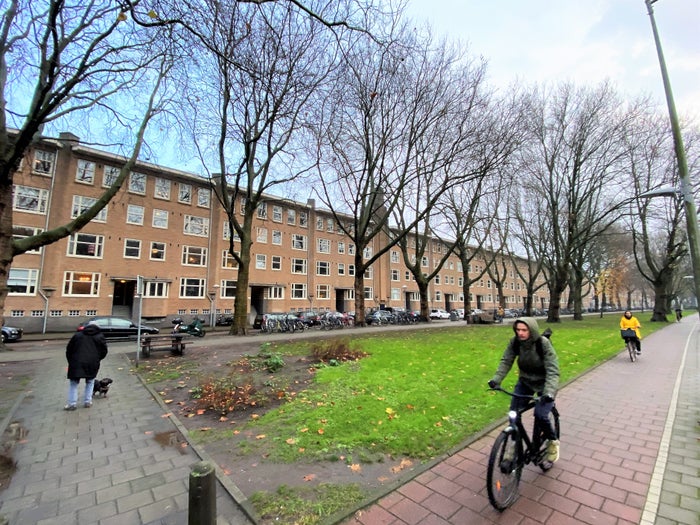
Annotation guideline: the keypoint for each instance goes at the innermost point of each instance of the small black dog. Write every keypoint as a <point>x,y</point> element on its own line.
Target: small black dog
<point>101,386</point>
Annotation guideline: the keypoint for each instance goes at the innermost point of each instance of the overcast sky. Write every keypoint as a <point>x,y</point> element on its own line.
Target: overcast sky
<point>584,41</point>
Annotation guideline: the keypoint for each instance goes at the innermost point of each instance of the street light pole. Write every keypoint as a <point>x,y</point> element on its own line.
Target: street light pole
<point>685,186</point>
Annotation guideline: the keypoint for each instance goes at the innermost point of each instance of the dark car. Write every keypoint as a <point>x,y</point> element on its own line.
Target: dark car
<point>10,333</point>
<point>309,318</point>
<point>118,327</point>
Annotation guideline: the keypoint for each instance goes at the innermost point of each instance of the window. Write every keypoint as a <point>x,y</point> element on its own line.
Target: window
<point>424,262</point>
<point>203,197</point>
<point>22,281</point>
<point>243,202</point>
<point>198,226</point>
<point>351,270</point>
<point>228,288</point>
<point>109,175</point>
<point>85,245</point>
<point>260,261</point>
<point>137,183</point>
<point>85,172</point>
<point>291,217</point>
<point>134,214</point>
<point>394,256</point>
<point>341,247</point>
<point>299,266</point>
<point>275,292</point>
<point>81,283</point>
<point>329,224</point>
<point>367,254</point>
<point>22,232</point>
<point>395,275</point>
<point>351,249</point>
<point>32,200</point>
<point>194,256</point>
<point>227,260</point>
<point>261,235</point>
<point>323,291</point>
<point>227,231</point>
<point>132,248</point>
<point>276,262</point>
<point>262,210</point>
<point>298,242</point>
<point>156,289</point>
<point>184,193</point>
<point>369,293</point>
<point>437,278</point>
<point>303,219</point>
<point>323,268</point>
<point>160,219</point>
<point>395,294</point>
<point>44,162</point>
<point>192,287</point>
<point>277,213</point>
<point>157,251</point>
<point>298,291</point>
<point>82,204</point>
<point>319,223</point>
<point>341,269</point>
<point>277,237</point>
<point>369,273</point>
<point>323,246</point>
<point>162,189</point>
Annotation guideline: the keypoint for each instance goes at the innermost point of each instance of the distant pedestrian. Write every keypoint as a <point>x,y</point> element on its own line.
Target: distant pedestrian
<point>84,352</point>
<point>679,314</point>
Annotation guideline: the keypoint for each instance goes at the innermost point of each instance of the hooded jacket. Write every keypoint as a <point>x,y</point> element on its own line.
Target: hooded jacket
<point>540,375</point>
<point>84,352</point>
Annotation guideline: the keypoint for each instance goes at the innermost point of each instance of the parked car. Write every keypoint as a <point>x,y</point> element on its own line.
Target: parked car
<point>379,317</point>
<point>224,320</point>
<point>309,318</point>
<point>10,333</point>
<point>118,327</point>
<point>439,313</point>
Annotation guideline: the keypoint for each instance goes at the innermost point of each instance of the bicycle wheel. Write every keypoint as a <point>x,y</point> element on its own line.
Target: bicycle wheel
<point>632,349</point>
<point>504,471</point>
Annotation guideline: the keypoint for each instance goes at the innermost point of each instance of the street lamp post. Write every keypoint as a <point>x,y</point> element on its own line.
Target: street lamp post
<point>685,186</point>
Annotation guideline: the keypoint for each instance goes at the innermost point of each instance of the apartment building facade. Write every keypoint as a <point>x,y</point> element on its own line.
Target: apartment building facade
<point>160,250</point>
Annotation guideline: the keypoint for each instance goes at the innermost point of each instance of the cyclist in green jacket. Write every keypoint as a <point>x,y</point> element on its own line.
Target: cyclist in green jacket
<point>538,373</point>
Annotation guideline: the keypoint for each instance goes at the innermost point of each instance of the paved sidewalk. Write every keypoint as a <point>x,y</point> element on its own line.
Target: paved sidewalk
<point>630,453</point>
<point>121,462</point>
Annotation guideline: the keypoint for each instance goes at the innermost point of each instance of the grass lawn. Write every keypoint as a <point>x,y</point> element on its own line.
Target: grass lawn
<point>420,392</point>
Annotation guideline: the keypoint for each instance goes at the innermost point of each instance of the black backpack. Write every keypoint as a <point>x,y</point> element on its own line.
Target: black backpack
<point>538,344</point>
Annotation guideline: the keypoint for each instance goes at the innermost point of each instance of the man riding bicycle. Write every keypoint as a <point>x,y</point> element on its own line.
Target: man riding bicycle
<point>538,367</point>
<point>629,322</point>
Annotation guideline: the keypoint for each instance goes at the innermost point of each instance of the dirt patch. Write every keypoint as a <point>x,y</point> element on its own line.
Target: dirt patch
<point>14,378</point>
<point>178,380</point>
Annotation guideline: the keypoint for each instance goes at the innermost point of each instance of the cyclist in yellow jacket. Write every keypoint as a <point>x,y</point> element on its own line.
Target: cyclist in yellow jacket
<point>630,322</point>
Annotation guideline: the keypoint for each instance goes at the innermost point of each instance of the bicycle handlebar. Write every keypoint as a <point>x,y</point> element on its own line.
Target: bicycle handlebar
<point>513,394</point>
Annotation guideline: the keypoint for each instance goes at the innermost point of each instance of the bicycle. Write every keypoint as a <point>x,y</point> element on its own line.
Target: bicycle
<point>512,450</point>
<point>630,337</point>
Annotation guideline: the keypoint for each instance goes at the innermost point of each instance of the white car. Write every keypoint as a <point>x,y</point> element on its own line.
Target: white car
<point>439,313</point>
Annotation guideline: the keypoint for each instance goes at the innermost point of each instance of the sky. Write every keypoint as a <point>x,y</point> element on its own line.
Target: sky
<point>583,41</point>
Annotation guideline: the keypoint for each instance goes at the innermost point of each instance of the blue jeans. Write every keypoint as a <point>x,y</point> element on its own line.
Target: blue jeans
<point>73,391</point>
<point>542,409</point>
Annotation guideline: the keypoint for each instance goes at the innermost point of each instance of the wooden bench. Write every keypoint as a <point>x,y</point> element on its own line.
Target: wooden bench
<point>176,343</point>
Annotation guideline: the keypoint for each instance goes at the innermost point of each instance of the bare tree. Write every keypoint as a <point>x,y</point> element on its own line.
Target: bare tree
<point>73,61</point>
<point>574,164</point>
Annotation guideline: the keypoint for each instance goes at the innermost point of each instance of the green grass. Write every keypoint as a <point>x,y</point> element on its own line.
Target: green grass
<point>420,392</point>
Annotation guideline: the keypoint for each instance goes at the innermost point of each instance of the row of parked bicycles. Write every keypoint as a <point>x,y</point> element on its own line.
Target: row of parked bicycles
<point>298,322</point>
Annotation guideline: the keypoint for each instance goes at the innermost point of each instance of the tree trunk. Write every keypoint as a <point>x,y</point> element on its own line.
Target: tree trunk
<point>240,313</point>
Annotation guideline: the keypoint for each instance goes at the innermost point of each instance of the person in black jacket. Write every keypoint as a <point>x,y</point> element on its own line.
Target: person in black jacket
<point>84,352</point>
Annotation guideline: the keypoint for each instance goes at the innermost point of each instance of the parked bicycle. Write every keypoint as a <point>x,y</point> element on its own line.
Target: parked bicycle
<point>512,450</point>
<point>630,338</point>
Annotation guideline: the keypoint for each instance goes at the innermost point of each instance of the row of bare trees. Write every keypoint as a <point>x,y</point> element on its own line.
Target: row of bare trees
<point>398,134</point>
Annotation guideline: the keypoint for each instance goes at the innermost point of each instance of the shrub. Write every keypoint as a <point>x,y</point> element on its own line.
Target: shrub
<point>335,351</point>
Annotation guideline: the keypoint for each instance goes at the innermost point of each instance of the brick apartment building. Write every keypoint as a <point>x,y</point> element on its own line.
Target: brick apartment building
<point>166,230</point>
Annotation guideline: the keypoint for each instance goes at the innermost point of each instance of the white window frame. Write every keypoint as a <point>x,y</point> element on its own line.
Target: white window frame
<point>192,284</point>
<point>276,262</point>
<point>44,162</point>
<point>323,245</point>
<point>277,213</point>
<point>156,289</point>
<point>261,235</point>
<point>197,226</point>
<point>22,232</point>
<point>30,200</point>
<point>74,279</point>
<point>277,237</point>
<point>131,245</point>
<point>82,203</point>
<point>26,278</point>
<point>85,172</point>
<point>135,214</point>
<point>323,268</point>
<point>161,189</point>
<point>194,256</point>
<point>109,175</point>
<point>298,290</point>
<point>137,183</point>
<point>160,219</point>
<point>260,261</point>
<point>299,242</point>
<point>81,242</point>
<point>228,261</point>
<point>323,291</point>
<point>301,264</point>
<point>156,248</point>
<point>184,193</point>
<point>203,197</point>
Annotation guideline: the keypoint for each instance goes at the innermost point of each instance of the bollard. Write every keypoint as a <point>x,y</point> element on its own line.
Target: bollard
<point>202,509</point>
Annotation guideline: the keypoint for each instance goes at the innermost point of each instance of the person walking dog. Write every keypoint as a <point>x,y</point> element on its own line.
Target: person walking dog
<point>84,352</point>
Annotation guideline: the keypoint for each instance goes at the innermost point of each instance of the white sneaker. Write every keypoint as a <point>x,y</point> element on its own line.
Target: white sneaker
<point>553,450</point>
